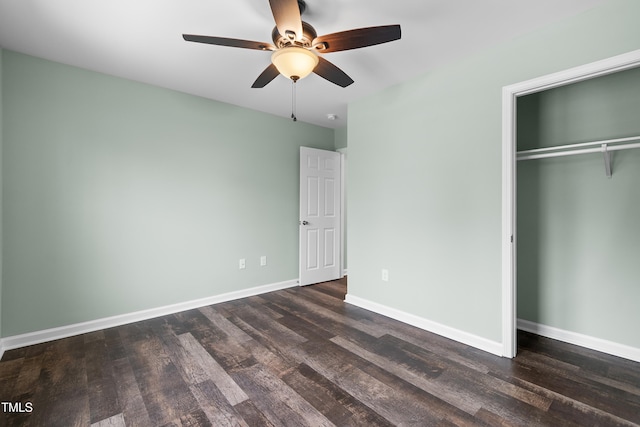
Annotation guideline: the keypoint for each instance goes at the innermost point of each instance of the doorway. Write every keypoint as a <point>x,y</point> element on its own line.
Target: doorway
<point>509,116</point>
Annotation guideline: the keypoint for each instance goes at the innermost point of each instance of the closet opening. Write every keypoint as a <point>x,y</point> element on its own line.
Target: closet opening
<point>571,163</point>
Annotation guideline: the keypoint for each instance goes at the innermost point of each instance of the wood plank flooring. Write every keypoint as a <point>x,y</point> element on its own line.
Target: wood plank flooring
<point>302,357</point>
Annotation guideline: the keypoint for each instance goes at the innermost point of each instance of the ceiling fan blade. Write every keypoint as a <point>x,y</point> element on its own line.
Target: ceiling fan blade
<point>327,70</point>
<point>287,16</point>
<point>270,73</point>
<point>355,39</point>
<point>223,41</point>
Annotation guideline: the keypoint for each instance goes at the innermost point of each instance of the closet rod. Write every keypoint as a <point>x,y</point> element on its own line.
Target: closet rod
<point>568,150</point>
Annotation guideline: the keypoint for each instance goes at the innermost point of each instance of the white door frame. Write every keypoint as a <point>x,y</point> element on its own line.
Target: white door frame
<point>343,204</point>
<point>509,114</point>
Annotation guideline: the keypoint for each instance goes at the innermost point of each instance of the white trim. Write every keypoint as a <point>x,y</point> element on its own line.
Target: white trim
<point>509,95</point>
<point>343,159</point>
<point>37,337</point>
<point>428,325</point>
<point>509,341</point>
<point>1,348</point>
<point>587,341</point>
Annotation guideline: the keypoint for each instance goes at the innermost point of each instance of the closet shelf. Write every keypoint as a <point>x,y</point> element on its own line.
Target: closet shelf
<point>605,147</point>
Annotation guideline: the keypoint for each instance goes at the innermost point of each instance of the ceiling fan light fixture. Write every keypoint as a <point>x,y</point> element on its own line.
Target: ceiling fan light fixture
<point>294,62</point>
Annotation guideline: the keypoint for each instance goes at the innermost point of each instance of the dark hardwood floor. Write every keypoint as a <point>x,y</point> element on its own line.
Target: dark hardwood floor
<point>302,357</point>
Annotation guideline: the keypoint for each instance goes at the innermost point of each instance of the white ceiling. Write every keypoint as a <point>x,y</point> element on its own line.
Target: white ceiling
<point>142,40</point>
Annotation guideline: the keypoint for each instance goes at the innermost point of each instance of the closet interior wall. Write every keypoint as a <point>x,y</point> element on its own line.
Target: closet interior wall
<point>578,253</point>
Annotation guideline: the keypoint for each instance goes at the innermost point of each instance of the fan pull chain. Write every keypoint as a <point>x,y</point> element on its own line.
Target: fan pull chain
<point>294,79</point>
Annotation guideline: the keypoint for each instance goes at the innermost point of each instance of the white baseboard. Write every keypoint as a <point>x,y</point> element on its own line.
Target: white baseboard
<point>37,337</point>
<point>592,343</point>
<point>428,325</point>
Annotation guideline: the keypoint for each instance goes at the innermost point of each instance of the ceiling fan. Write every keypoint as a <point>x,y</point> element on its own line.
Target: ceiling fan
<point>296,45</point>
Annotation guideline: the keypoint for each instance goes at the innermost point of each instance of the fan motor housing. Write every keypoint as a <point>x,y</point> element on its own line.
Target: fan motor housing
<point>308,35</point>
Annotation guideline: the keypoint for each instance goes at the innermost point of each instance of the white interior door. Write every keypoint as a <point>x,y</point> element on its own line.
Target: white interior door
<point>319,215</point>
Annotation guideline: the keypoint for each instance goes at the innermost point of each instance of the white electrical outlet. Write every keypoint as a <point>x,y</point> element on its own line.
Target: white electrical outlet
<point>263,260</point>
<point>385,275</point>
<point>242,264</point>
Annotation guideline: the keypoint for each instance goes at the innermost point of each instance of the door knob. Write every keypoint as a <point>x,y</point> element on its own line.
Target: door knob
<point>304,222</point>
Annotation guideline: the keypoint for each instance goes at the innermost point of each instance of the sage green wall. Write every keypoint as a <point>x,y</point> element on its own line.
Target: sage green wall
<point>578,231</point>
<point>120,196</point>
<point>425,172</point>
<point>341,138</point>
